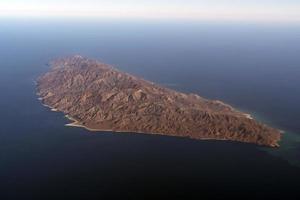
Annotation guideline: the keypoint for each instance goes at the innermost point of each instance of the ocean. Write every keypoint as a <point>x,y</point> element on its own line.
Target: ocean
<point>253,67</point>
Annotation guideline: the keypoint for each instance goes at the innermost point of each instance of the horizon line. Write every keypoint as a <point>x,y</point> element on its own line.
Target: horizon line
<point>133,16</point>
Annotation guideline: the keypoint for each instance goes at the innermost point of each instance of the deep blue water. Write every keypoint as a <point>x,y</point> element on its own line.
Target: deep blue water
<point>255,67</point>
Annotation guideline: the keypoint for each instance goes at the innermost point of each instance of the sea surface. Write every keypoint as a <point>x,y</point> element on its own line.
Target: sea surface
<point>254,67</point>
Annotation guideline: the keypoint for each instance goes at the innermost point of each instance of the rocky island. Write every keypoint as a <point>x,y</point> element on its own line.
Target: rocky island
<point>101,98</point>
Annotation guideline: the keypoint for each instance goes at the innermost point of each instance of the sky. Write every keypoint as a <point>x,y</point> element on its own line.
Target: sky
<point>233,10</point>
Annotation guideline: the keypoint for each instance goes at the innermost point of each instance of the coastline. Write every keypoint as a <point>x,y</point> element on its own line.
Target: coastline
<point>284,151</point>
<point>51,108</point>
<point>75,123</point>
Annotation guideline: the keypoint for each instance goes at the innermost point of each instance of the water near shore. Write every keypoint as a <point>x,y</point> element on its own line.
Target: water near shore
<point>253,67</point>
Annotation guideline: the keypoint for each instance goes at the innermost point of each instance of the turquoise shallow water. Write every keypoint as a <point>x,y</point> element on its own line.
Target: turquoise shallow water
<point>254,67</point>
<point>289,144</point>
<point>289,148</point>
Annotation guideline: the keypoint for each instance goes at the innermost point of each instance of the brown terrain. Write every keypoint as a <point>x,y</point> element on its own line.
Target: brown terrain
<point>99,97</point>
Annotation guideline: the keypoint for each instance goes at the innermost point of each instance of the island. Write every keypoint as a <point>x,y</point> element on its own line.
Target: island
<point>99,97</point>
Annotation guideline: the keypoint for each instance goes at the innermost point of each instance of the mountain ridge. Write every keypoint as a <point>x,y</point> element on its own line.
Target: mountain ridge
<point>99,97</point>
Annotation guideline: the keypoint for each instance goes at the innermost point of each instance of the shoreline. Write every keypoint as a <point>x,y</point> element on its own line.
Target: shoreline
<point>75,123</point>
<point>51,108</point>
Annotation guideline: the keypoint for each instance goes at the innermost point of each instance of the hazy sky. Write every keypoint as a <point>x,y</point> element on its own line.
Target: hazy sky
<point>254,10</point>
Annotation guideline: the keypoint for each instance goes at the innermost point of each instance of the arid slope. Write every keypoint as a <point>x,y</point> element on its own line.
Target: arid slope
<point>103,98</point>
